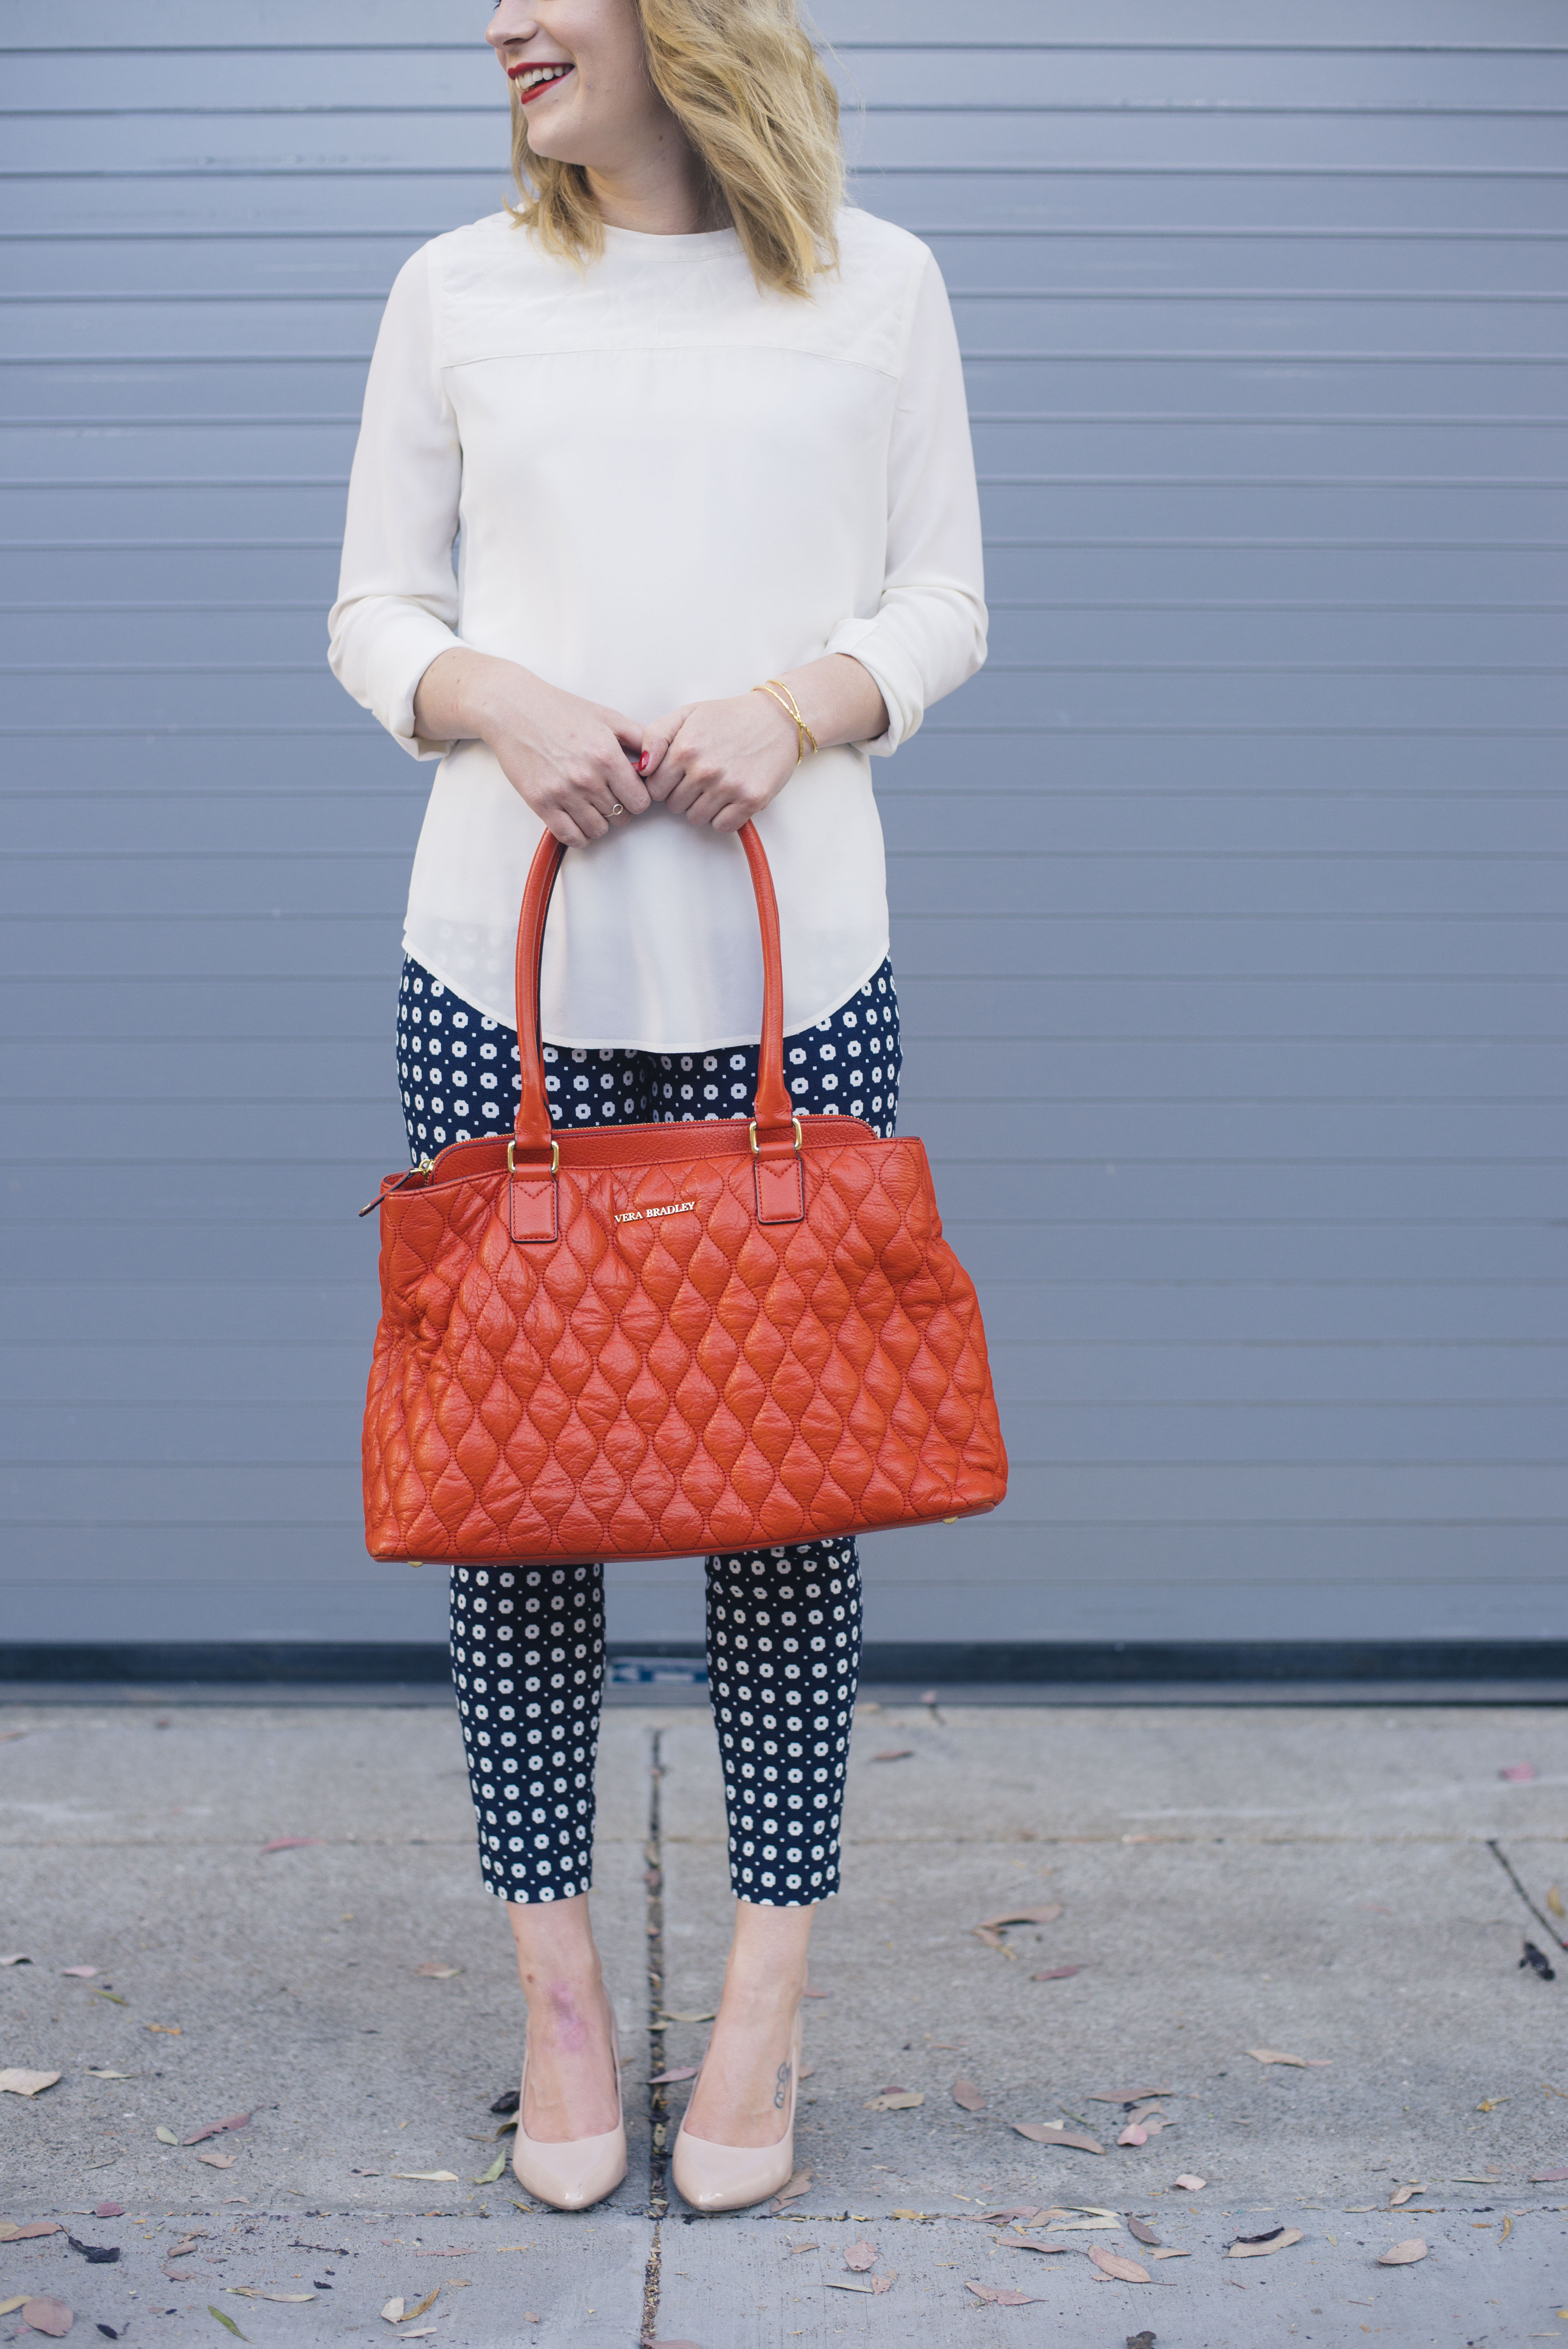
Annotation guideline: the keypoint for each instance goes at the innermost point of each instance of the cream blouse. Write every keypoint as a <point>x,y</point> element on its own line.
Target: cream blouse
<point>651,483</point>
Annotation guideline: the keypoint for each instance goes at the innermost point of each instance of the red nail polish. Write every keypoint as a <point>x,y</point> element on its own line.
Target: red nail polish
<point>643,764</point>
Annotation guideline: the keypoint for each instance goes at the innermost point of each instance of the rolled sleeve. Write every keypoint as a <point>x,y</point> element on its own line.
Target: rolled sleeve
<point>396,605</point>
<point>928,633</point>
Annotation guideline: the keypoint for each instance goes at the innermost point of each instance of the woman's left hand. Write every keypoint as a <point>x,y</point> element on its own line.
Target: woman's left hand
<point>719,763</point>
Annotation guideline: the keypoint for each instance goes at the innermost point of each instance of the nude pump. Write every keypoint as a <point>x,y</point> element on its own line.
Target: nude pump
<point>579,2171</point>
<point>733,2176</point>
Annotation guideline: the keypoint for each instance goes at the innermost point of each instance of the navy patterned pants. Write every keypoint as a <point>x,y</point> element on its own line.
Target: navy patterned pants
<point>783,1625</point>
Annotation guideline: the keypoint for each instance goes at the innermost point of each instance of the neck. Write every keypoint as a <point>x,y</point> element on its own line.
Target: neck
<point>661,191</point>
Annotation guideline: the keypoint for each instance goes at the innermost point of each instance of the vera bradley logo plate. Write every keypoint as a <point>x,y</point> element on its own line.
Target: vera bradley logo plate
<point>647,1214</point>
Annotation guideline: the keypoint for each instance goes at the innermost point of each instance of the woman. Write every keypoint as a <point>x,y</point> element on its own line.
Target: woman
<point>696,431</point>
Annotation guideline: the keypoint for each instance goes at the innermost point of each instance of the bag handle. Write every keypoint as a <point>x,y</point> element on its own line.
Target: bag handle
<point>775,1131</point>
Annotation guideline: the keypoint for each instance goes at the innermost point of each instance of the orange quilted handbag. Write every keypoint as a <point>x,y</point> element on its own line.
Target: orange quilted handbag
<point>659,1341</point>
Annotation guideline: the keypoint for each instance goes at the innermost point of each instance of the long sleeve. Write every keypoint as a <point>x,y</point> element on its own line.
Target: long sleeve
<point>397,605</point>
<point>928,633</point>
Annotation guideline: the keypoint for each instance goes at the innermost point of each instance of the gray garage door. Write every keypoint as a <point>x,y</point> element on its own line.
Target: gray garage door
<point>1226,900</point>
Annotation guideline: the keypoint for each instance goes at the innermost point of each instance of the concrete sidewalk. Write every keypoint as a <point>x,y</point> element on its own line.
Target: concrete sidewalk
<point>1312,1881</point>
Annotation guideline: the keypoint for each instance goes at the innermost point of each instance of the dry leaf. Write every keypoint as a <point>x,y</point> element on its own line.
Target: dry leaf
<point>886,2283</point>
<point>1521,1773</point>
<point>165,2136</point>
<point>1027,2243</point>
<point>1056,1973</point>
<point>1133,2134</point>
<point>1403,2255</point>
<point>51,2316</point>
<point>1045,1916</point>
<point>393,2312</point>
<point>291,1843</point>
<point>966,2093</point>
<point>98,2255</point>
<point>681,2072</point>
<point>217,2161</point>
<point>711,2015</point>
<point>799,2184</point>
<point>109,2209</point>
<point>170,2030</point>
<point>217,2129</point>
<point>1554,1900</point>
<point>894,1753</point>
<point>15,1957</point>
<point>896,2100</point>
<point>1273,2055</point>
<point>1545,2176</point>
<point>1000,2299</point>
<point>1141,2233</point>
<point>1403,2195</point>
<point>1258,2247</point>
<point>1038,2133</point>
<point>791,2249</point>
<point>861,2256</point>
<point>99,2074</point>
<point>1128,2095</point>
<point>430,2176</point>
<point>9,2307</point>
<point>26,2084</point>
<point>255,2291</point>
<point>82,1974</point>
<point>1159,2252</point>
<point>1189,2183</point>
<point>437,1969</point>
<point>10,2232</point>
<point>428,2302</point>
<point>1117,2265</point>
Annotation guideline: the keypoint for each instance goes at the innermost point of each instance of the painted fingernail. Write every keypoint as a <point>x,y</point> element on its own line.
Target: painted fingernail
<point>643,764</point>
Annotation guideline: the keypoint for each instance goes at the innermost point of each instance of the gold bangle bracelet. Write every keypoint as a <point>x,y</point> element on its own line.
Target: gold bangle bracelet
<point>780,693</point>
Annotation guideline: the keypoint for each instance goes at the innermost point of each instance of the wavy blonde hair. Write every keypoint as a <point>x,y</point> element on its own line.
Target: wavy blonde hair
<point>744,82</point>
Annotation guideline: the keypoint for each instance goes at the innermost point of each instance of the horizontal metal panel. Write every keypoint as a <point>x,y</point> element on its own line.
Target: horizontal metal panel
<point>1243,945</point>
<point>1105,1434</point>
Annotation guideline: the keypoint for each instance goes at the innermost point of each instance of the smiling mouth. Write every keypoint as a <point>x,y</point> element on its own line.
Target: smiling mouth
<point>529,80</point>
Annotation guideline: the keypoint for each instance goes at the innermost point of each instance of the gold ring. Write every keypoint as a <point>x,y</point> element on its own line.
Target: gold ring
<point>617,809</point>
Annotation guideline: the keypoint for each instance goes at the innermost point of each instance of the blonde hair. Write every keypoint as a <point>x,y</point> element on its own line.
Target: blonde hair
<point>744,82</point>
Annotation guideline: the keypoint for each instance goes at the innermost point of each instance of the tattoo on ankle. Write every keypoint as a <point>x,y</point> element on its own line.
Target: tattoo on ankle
<point>782,2092</point>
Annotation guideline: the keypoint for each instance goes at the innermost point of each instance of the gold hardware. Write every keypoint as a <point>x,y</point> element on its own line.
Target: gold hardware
<point>950,1521</point>
<point>777,691</point>
<point>751,1129</point>
<point>416,1561</point>
<point>554,1156</point>
<point>426,1166</point>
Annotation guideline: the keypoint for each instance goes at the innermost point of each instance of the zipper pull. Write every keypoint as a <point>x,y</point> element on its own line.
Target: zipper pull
<point>426,1167</point>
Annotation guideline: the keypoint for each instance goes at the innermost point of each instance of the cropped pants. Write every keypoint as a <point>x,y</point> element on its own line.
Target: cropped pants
<point>783,1625</point>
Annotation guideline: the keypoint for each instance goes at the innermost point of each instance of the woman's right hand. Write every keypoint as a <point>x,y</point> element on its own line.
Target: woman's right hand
<point>574,761</point>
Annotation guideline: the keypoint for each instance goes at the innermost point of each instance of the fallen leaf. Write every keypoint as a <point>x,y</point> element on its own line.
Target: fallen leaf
<point>1546,2177</point>
<point>1117,2265</point>
<point>428,2302</point>
<point>217,2129</point>
<point>291,1843</point>
<point>799,2184</point>
<point>26,2084</point>
<point>255,2291</point>
<point>1161,2252</point>
<point>1029,2243</point>
<point>861,2256</point>
<point>15,1957</point>
<point>101,2254</point>
<point>886,2283</point>
<point>1554,1900</point>
<point>170,2030</point>
<point>1258,2247</point>
<point>1140,2341</point>
<point>1273,2055</point>
<point>430,2176</point>
<point>966,2093</point>
<point>681,2072</point>
<point>791,2249</point>
<point>10,2232</point>
<point>165,2136</point>
<point>227,2322</point>
<point>82,1974</point>
<point>9,2307</point>
<point>1141,2233</point>
<point>711,2013</point>
<point>217,2161</point>
<point>1133,2134</point>
<point>842,2283</point>
<point>436,1970</point>
<point>1000,2299</point>
<point>51,2316</point>
<point>898,2100</point>
<point>495,2169</point>
<point>1056,1973</point>
<point>1404,2255</point>
<point>1189,2184</point>
<point>1038,2133</point>
<point>1044,1916</point>
<point>393,2312</point>
<point>109,2075</point>
<point>109,2209</point>
<point>1128,2095</point>
<point>1521,1773</point>
<point>1403,2195</point>
<point>894,1753</point>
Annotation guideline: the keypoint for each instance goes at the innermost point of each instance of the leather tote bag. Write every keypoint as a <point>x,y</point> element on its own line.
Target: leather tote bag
<point>661,1340</point>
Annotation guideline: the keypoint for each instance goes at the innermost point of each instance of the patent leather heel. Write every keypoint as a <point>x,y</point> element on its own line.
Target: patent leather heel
<point>577,2172</point>
<point>733,2176</point>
